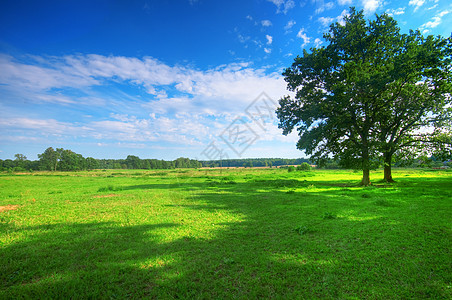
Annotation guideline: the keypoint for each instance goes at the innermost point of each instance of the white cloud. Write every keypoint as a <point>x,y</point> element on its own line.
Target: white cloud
<point>283,6</point>
<point>329,5</point>
<point>243,39</point>
<point>323,7</point>
<point>269,39</point>
<point>41,126</point>
<point>396,12</point>
<point>340,18</point>
<point>122,128</point>
<point>278,3</point>
<point>370,6</point>
<point>266,23</point>
<point>289,25</point>
<point>326,21</point>
<point>302,35</point>
<point>443,13</point>
<point>84,71</point>
<point>288,6</point>
<point>434,22</point>
<point>188,105</point>
<point>318,42</point>
<point>344,2</point>
<point>416,3</point>
<point>267,50</point>
<point>147,71</point>
<point>30,76</point>
<point>180,129</point>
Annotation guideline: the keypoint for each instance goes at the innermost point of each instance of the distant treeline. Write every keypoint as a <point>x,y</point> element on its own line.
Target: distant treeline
<point>134,162</point>
<point>60,159</point>
<point>254,162</point>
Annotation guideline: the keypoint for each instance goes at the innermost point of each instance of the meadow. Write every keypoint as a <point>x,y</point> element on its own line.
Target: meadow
<point>236,233</point>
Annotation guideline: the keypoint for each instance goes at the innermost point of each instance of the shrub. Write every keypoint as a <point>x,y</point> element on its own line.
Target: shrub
<point>19,169</point>
<point>304,167</point>
<point>302,229</point>
<point>109,188</point>
<point>329,215</point>
<point>291,169</point>
<point>383,202</point>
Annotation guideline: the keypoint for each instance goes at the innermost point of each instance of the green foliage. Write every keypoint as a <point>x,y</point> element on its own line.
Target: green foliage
<point>183,162</point>
<point>359,98</point>
<point>67,160</point>
<point>248,164</point>
<point>383,202</point>
<point>304,167</point>
<point>329,215</point>
<point>109,188</point>
<point>303,229</point>
<point>49,159</point>
<point>255,162</point>
<point>291,169</point>
<point>20,161</point>
<point>228,261</point>
<point>70,161</point>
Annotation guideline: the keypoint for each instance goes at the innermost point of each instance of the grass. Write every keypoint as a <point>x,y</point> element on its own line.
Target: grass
<point>238,233</point>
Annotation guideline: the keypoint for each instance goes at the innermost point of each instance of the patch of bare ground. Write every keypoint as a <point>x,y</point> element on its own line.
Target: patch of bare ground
<point>8,207</point>
<point>106,196</point>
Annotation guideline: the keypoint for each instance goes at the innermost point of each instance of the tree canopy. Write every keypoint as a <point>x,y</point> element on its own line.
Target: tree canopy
<point>368,93</point>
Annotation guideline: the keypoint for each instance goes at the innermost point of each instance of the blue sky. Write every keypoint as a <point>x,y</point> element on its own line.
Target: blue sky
<point>164,79</point>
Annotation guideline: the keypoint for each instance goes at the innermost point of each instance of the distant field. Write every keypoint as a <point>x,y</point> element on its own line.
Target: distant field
<point>238,233</point>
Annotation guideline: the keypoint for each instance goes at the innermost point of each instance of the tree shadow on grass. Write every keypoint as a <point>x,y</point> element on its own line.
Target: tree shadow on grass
<point>67,260</point>
<point>253,251</point>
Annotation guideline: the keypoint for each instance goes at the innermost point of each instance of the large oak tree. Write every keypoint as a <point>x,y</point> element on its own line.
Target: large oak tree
<point>353,98</point>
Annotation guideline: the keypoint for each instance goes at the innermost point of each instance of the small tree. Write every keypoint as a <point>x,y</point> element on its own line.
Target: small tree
<point>248,164</point>
<point>304,167</point>
<point>20,160</point>
<point>20,157</point>
<point>49,159</point>
<point>91,163</point>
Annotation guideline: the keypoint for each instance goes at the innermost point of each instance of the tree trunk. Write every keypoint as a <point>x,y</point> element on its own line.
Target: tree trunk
<point>387,167</point>
<point>366,167</point>
<point>366,177</point>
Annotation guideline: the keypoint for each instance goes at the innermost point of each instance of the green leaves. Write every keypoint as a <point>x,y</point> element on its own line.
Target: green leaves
<point>368,92</point>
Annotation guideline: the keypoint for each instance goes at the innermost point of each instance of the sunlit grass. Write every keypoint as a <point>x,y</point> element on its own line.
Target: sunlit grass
<point>242,233</point>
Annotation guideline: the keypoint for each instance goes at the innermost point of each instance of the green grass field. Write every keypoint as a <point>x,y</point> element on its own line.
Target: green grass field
<point>239,233</point>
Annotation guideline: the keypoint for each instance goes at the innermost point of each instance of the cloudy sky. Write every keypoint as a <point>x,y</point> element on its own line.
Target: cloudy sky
<point>164,79</point>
